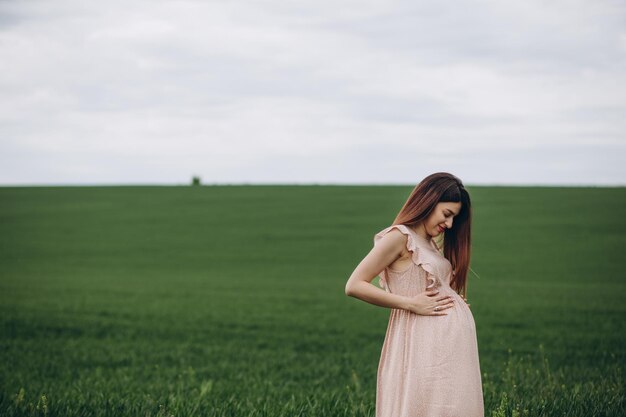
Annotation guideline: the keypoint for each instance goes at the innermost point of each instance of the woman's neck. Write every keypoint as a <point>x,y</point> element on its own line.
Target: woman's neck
<point>419,231</point>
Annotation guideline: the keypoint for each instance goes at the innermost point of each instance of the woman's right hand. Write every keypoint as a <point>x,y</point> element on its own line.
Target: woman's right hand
<point>428,303</point>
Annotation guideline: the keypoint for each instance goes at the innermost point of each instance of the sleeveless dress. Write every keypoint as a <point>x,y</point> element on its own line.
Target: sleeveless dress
<point>428,365</point>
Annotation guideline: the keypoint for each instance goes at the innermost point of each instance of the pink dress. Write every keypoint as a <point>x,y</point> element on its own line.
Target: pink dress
<point>428,364</point>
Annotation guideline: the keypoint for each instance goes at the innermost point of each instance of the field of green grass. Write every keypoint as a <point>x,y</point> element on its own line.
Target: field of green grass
<point>229,300</point>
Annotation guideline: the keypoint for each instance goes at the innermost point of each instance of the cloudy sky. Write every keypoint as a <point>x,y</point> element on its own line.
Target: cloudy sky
<point>275,91</point>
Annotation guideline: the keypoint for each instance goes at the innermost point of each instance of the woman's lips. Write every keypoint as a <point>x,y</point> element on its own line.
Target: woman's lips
<point>440,229</point>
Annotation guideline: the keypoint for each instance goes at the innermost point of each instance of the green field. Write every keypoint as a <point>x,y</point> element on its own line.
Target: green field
<point>229,300</point>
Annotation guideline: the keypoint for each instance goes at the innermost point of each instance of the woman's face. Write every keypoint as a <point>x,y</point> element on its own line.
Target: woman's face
<point>441,218</point>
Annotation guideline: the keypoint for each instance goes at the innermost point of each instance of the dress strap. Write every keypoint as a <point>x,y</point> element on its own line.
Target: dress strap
<point>419,255</point>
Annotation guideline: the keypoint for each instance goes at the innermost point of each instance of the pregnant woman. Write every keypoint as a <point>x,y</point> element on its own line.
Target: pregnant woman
<point>429,363</point>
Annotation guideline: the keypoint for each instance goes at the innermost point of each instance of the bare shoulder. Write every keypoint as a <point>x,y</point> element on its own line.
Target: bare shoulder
<point>393,240</point>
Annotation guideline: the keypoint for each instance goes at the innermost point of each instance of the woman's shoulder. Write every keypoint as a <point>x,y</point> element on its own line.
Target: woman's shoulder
<point>398,231</point>
<point>408,235</point>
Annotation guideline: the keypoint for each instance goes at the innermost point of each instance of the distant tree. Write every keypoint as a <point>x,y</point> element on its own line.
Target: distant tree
<point>195,180</point>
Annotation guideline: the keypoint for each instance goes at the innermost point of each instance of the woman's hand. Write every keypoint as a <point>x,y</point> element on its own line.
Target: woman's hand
<point>428,303</point>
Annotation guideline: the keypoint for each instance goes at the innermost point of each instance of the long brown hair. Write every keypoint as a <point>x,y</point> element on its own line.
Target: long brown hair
<point>442,187</point>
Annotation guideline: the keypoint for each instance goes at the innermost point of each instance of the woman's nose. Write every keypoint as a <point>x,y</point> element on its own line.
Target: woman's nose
<point>449,223</point>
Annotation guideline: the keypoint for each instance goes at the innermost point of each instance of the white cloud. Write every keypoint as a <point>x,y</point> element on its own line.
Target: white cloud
<point>220,88</point>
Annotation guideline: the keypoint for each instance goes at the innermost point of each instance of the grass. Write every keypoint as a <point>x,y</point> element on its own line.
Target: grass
<point>228,300</point>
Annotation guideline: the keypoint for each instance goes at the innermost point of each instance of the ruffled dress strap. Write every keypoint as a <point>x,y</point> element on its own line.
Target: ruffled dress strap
<point>417,253</point>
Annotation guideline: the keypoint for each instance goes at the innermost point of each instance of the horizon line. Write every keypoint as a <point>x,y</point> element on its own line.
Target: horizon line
<point>279,184</point>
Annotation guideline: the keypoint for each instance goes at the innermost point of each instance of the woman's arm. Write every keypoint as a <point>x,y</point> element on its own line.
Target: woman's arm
<point>384,253</point>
